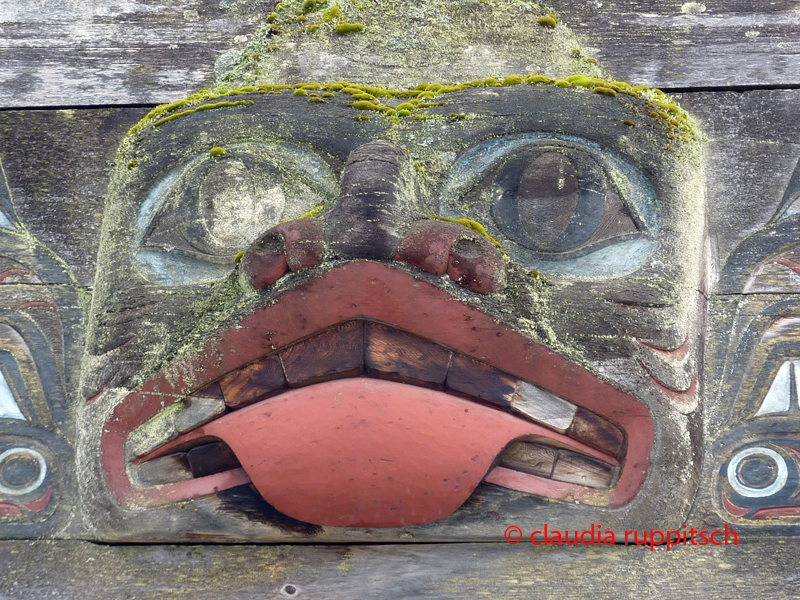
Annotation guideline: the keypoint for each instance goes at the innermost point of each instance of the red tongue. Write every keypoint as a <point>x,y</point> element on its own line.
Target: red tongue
<point>367,453</point>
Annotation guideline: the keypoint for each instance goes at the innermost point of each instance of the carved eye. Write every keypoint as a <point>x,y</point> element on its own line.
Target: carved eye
<point>761,481</point>
<point>561,205</point>
<point>198,217</point>
<point>757,472</point>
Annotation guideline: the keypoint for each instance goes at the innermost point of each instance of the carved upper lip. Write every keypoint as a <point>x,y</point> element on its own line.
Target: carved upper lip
<point>578,410</point>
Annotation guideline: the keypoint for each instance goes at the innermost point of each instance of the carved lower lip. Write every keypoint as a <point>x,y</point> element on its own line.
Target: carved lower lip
<point>358,293</point>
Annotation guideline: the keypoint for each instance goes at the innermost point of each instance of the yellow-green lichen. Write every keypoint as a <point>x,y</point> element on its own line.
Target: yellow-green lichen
<point>300,92</point>
<point>317,100</point>
<point>474,226</point>
<point>217,152</point>
<point>238,258</point>
<point>132,164</point>
<point>314,212</point>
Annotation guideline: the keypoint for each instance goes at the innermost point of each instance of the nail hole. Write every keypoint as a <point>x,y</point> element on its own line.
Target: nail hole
<point>289,590</point>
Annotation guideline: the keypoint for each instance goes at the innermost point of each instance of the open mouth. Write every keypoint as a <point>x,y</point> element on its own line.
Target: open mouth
<point>368,398</point>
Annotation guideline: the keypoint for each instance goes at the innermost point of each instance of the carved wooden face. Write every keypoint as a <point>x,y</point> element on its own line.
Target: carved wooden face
<point>381,362</point>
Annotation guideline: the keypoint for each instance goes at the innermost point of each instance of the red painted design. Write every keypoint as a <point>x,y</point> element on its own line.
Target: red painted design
<point>14,273</point>
<point>676,355</point>
<point>732,508</point>
<point>790,264</point>
<point>378,292</point>
<point>28,305</point>
<point>467,257</point>
<point>295,245</point>
<point>775,512</point>
<point>9,510</point>
<point>41,503</point>
<point>685,398</point>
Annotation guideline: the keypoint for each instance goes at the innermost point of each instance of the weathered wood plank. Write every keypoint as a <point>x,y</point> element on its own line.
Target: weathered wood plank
<point>57,163</point>
<point>114,53</point>
<point>154,52</point>
<point>79,570</point>
<point>691,44</point>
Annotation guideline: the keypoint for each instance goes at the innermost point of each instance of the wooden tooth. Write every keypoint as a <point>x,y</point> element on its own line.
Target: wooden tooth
<point>596,431</point>
<point>164,470</point>
<point>253,382</point>
<point>479,380</point>
<point>571,467</point>
<point>536,459</point>
<point>334,353</point>
<point>394,354</point>
<point>543,407</point>
<point>198,411</point>
<point>208,459</point>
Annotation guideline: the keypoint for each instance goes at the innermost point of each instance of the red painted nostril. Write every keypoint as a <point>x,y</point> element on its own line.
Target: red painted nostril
<point>477,265</point>
<point>466,256</point>
<point>295,245</point>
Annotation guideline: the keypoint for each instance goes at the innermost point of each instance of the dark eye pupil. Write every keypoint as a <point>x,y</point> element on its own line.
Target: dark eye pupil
<point>547,196</point>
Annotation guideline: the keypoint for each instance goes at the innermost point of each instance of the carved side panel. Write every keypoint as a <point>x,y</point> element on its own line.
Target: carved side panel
<point>40,322</point>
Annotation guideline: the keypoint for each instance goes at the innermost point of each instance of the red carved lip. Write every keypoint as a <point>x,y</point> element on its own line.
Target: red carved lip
<point>370,292</point>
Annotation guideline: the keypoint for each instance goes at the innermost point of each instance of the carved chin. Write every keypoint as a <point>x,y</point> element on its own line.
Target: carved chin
<point>368,398</point>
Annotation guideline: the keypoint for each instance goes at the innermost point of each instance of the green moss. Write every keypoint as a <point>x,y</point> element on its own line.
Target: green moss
<point>361,118</point>
<point>344,28</point>
<point>364,105</point>
<point>629,123</point>
<point>312,5</point>
<point>238,258</point>
<point>272,18</point>
<point>334,12</point>
<point>550,21</point>
<point>538,79</point>
<point>132,164</point>
<point>605,91</point>
<point>659,105</point>
<point>312,28</point>
<point>302,19</point>
<point>217,152</point>
<point>328,95</point>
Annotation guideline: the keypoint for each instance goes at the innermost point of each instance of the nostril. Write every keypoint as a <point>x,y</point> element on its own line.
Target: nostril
<point>291,246</point>
<point>468,248</point>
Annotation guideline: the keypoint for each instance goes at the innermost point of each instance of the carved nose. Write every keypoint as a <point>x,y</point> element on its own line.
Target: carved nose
<point>379,198</point>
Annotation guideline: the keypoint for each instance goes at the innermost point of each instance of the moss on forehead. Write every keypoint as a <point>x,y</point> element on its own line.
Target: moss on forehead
<point>400,42</point>
<point>402,104</point>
